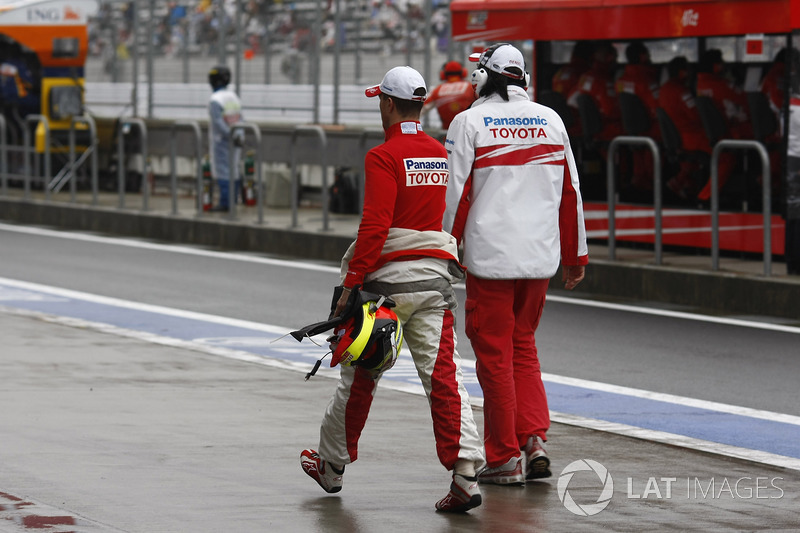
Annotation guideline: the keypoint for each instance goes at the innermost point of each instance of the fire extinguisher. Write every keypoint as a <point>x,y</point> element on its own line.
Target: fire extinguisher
<point>208,186</point>
<point>249,181</point>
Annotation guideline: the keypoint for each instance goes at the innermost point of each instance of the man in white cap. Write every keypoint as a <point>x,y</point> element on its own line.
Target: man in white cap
<point>513,199</point>
<point>401,252</point>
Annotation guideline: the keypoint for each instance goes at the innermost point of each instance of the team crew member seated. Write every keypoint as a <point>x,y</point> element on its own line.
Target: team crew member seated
<point>678,102</point>
<point>401,252</point>
<point>598,83</point>
<point>731,102</point>
<point>639,78</point>
<point>513,199</point>
<point>451,97</point>
<point>566,78</point>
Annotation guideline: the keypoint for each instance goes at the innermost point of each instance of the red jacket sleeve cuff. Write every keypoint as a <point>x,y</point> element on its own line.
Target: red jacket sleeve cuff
<point>352,279</point>
<point>581,260</point>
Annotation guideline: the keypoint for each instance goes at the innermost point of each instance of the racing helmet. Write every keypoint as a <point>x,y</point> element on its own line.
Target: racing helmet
<point>219,76</point>
<point>370,339</point>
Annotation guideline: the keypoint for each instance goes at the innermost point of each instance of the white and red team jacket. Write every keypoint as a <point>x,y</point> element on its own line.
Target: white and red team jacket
<point>513,196</point>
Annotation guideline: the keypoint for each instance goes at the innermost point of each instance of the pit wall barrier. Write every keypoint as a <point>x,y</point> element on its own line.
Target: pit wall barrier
<point>325,148</point>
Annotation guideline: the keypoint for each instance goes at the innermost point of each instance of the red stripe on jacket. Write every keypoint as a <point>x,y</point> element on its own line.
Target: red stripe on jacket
<point>568,223</point>
<point>512,155</point>
<point>460,218</point>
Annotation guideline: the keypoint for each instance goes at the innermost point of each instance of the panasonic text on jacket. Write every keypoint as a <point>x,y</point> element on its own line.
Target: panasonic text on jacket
<point>426,171</point>
<point>528,132</point>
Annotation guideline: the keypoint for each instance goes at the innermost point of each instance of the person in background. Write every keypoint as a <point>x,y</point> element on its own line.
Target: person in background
<point>729,99</point>
<point>775,79</point>
<point>598,83</point>
<point>401,252</point>
<point>224,110</point>
<point>676,99</point>
<point>640,78</point>
<point>514,202</point>
<point>451,97</point>
<point>566,78</point>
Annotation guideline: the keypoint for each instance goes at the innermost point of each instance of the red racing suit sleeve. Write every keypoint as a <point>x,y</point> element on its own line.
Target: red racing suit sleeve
<point>380,194</point>
<point>569,220</point>
<point>460,158</point>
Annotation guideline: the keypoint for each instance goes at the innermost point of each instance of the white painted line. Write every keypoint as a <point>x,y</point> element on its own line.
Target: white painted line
<point>678,440</point>
<point>332,373</point>
<point>276,330</point>
<point>674,314</point>
<point>602,214</point>
<point>127,304</point>
<point>229,256</point>
<point>599,233</point>
<point>143,245</point>
<point>677,400</point>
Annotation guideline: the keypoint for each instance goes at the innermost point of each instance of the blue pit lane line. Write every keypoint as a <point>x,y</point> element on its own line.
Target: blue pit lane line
<point>780,437</point>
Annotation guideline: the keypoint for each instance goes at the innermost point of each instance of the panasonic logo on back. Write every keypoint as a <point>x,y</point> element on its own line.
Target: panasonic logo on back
<point>426,171</point>
<point>514,121</point>
<point>518,127</point>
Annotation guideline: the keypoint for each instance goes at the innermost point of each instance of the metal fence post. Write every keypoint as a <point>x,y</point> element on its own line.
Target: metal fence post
<point>28,151</point>
<point>3,157</point>
<point>295,186</point>
<point>258,164</point>
<point>173,179</point>
<point>139,123</point>
<point>612,191</point>
<point>89,121</point>
<point>765,191</point>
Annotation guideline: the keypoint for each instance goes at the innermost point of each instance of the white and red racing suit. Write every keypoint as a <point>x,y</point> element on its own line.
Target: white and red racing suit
<point>401,252</point>
<point>513,199</point>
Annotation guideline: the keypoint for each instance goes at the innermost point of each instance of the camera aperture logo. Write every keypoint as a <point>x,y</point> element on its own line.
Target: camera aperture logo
<point>657,488</point>
<point>606,492</point>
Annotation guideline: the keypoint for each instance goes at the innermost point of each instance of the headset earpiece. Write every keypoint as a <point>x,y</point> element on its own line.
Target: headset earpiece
<point>478,80</point>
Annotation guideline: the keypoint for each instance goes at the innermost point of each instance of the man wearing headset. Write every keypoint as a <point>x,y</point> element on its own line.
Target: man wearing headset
<point>451,97</point>
<point>401,252</point>
<point>513,200</point>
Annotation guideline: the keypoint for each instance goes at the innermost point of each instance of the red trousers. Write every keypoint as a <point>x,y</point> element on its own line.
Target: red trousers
<point>501,321</point>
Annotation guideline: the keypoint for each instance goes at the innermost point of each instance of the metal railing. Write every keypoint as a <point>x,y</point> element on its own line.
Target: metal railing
<point>323,141</point>
<point>362,147</point>
<point>235,171</point>
<point>91,149</point>
<point>28,151</point>
<point>612,191</point>
<point>194,127</point>
<point>3,157</point>
<point>124,125</point>
<point>765,191</point>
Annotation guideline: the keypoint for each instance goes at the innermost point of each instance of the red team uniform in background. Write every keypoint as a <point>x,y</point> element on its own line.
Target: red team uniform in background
<point>453,96</point>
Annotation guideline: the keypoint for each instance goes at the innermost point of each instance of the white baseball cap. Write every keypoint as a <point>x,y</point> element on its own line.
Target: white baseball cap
<point>401,82</point>
<point>499,58</point>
